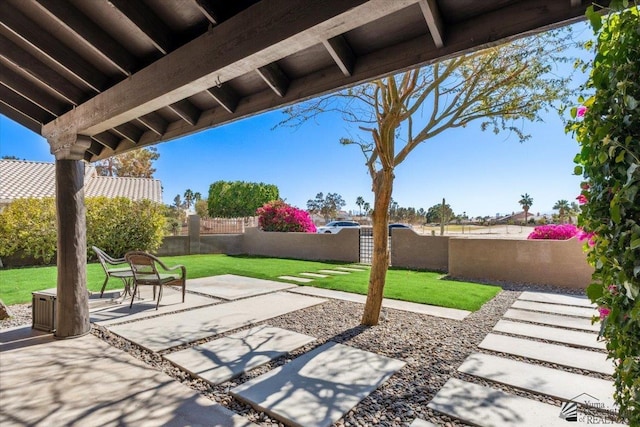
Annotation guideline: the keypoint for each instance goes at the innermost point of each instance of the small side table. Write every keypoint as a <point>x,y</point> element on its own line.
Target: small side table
<point>127,278</point>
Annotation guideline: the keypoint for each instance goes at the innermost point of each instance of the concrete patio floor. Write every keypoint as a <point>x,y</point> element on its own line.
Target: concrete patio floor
<point>86,382</point>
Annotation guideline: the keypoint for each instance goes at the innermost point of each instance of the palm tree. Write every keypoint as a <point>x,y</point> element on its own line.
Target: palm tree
<point>526,201</point>
<point>366,207</point>
<point>177,202</point>
<point>360,203</point>
<point>574,211</point>
<point>563,207</point>
<point>197,196</point>
<point>188,198</point>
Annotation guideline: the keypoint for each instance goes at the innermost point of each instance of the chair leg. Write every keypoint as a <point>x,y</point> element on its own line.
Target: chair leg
<point>104,286</point>
<point>159,296</point>
<point>133,294</point>
<point>184,289</point>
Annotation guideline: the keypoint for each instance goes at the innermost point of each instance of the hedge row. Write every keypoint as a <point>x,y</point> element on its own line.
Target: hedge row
<point>28,227</point>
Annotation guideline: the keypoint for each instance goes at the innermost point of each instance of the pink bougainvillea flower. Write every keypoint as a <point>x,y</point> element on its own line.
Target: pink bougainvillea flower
<point>554,232</point>
<point>581,111</point>
<point>604,312</point>
<point>585,186</point>
<point>613,289</point>
<point>582,199</point>
<point>590,237</point>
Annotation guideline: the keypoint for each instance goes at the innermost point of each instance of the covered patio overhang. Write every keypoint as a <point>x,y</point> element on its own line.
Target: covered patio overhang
<point>101,77</point>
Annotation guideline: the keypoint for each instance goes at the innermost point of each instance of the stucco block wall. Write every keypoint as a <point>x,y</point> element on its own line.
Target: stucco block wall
<point>174,245</point>
<point>230,244</point>
<point>546,262</point>
<point>411,250</point>
<point>343,246</point>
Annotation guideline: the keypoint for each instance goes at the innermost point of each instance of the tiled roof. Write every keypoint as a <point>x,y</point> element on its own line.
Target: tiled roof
<point>21,179</point>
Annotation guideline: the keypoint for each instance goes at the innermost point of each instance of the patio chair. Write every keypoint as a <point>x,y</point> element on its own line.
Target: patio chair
<point>145,272</point>
<point>123,272</point>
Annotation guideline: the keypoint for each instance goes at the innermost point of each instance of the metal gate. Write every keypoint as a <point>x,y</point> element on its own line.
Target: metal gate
<point>366,245</point>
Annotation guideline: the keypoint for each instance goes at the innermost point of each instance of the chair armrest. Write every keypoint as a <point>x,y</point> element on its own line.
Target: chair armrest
<point>115,261</point>
<point>179,266</point>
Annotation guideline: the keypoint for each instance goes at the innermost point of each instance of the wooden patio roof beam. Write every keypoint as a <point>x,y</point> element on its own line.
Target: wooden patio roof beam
<point>93,36</point>
<point>341,53</point>
<point>36,69</point>
<point>27,30</point>
<point>225,96</point>
<point>32,92</point>
<point>376,64</point>
<point>225,52</point>
<point>275,78</point>
<point>434,21</point>
<point>147,21</point>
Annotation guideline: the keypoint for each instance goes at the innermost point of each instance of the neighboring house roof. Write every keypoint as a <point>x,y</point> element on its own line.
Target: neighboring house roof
<point>21,179</point>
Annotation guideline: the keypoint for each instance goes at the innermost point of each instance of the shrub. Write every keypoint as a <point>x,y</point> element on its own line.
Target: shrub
<point>120,225</point>
<point>28,228</point>
<point>239,199</point>
<point>279,216</point>
<point>554,232</point>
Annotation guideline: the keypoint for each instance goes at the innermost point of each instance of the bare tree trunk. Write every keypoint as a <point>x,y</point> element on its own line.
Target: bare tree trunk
<point>382,188</point>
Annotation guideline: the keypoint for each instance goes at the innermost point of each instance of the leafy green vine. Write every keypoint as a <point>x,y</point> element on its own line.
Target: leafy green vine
<point>608,129</point>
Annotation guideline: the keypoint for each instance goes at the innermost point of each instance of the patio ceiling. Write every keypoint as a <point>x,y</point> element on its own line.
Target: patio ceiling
<point>100,77</point>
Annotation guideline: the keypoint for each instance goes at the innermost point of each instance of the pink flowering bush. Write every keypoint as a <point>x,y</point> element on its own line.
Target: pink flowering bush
<point>279,216</point>
<point>554,232</point>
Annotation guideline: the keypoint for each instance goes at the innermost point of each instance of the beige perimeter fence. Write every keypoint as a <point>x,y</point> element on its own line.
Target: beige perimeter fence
<point>544,262</point>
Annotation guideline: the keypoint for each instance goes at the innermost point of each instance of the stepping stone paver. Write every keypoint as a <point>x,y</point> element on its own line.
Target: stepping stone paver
<point>485,406</point>
<point>552,353</point>
<point>564,336</point>
<point>86,382</point>
<point>350,269</point>
<point>296,279</point>
<point>180,328</point>
<point>540,379</point>
<point>556,309</point>
<point>553,320</point>
<point>233,287</point>
<point>222,359</point>
<point>431,310</point>
<point>171,301</point>
<point>576,300</point>
<point>329,293</point>
<point>319,387</point>
<point>333,272</point>
<point>316,275</point>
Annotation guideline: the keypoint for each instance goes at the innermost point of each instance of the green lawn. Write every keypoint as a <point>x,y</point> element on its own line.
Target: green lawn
<point>16,285</point>
<point>417,286</point>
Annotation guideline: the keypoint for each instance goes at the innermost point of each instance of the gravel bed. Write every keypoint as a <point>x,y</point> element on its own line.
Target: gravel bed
<point>20,314</point>
<point>432,347</point>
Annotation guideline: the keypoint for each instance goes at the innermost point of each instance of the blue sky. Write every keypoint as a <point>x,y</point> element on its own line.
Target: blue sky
<point>479,173</point>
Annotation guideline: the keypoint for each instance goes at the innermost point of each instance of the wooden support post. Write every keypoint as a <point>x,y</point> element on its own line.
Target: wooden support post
<point>72,296</point>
